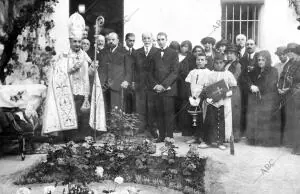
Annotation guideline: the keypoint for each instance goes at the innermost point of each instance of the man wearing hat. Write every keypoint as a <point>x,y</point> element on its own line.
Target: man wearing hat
<point>68,91</point>
<point>284,59</point>
<point>208,44</point>
<point>292,52</point>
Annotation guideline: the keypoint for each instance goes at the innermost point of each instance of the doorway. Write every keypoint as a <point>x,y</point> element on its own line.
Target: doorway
<point>111,10</point>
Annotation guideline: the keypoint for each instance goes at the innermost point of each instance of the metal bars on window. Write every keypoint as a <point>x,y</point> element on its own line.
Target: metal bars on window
<point>240,19</point>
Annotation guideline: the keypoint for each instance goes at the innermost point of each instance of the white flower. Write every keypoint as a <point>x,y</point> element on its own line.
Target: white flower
<point>146,141</point>
<point>99,171</point>
<point>119,180</point>
<point>23,190</point>
<point>86,145</point>
<point>49,190</point>
<point>89,139</point>
<point>116,107</point>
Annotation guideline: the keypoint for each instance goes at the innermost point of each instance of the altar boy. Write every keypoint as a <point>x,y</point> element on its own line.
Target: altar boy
<point>198,79</point>
<point>218,118</point>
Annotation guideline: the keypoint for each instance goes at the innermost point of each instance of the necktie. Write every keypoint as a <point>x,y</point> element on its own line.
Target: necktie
<point>146,51</point>
<point>162,51</point>
<point>130,51</point>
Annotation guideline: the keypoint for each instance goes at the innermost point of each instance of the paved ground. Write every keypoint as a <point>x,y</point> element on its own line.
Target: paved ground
<point>251,170</point>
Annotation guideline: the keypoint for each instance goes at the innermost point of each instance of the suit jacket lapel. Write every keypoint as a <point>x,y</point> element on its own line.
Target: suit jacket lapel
<point>151,51</point>
<point>166,53</point>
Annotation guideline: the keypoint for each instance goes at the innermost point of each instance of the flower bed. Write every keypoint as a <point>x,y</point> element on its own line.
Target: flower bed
<point>87,162</point>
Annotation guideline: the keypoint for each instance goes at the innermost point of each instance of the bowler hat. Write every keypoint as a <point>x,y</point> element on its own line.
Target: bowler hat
<point>208,40</point>
<point>291,47</point>
<point>280,50</point>
<point>297,50</point>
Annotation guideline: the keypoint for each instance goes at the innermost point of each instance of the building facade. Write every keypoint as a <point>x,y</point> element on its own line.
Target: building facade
<point>271,23</point>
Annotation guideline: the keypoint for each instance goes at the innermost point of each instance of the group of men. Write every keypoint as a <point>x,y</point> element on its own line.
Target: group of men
<point>149,71</point>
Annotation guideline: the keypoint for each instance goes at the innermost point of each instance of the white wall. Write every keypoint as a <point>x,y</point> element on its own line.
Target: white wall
<point>190,20</point>
<point>180,19</point>
<point>278,26</point>
<point>60,30</point>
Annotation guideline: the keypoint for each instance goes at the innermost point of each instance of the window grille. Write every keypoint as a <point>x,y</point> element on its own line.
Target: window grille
<point>240,19</point>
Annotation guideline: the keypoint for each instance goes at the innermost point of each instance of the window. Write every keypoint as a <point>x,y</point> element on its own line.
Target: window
<point>238,18</point>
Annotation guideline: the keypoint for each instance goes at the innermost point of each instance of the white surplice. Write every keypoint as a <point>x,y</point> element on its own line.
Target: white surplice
<point>230,81</point>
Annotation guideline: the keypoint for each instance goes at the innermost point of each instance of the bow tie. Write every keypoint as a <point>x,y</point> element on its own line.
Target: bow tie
<point>162,50</point>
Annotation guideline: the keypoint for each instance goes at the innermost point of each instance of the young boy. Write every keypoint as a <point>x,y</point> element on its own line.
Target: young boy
<point>198,79</point>
<point>218,118</point>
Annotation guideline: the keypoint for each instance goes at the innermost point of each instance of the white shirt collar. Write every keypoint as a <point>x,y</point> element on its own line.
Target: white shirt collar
<point>163,48</point>
<point>251,55</point>
<point>287,60</point>
<point>113,50</point>
<point>127,48</point>
<point>243,51</point>
<point>149,48</point>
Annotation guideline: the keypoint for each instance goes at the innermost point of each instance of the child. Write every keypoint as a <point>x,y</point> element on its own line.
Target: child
<point>198,79</point>
<point>218,118</point>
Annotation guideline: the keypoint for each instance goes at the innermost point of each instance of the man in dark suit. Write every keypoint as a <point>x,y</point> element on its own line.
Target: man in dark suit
<point>247,61</point>
<point>162,80</point>
<point>240,40</point>
<point>114,71</point>
<point>129,93</point>
<point>247,64</point>
<point>129,40</point>
<point>144,104</point>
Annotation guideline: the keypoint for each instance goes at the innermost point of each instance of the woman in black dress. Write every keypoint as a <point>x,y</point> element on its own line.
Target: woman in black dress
<point>234,67</point>
<point>263,116</point>
<point>186,64</point>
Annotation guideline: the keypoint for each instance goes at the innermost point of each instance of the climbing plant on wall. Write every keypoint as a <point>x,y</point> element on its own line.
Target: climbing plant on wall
<point>20,15</point>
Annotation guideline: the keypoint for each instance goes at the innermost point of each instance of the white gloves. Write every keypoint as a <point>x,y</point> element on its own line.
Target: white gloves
<point>254,88</point>
<point>124,84</point>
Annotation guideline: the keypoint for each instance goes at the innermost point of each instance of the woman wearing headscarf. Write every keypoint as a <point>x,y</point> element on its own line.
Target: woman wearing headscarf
<point>263,126</point>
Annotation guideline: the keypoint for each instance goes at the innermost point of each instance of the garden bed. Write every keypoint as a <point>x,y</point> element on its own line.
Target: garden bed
<point>85,163</point>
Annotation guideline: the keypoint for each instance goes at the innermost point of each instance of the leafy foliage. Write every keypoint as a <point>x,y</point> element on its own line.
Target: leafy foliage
<point>29,15</point>
<point>120,123</point>
<point>87,162</point>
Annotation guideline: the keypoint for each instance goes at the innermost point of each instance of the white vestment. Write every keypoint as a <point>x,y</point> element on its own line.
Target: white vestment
<point>230,81</point>
<point>60,112</point>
